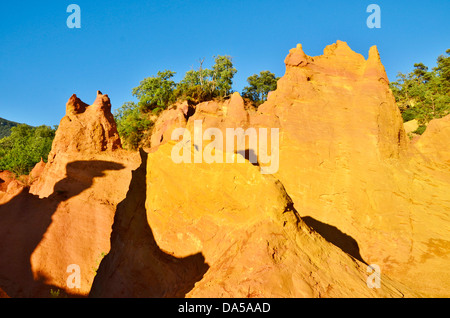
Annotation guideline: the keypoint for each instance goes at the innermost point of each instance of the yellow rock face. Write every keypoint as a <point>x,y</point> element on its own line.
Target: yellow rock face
<point>347,165</point>
<point>345,162</point>
<point>253,240</point>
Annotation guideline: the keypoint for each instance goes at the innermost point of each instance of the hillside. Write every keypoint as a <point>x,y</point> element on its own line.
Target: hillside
<point>5,127</point>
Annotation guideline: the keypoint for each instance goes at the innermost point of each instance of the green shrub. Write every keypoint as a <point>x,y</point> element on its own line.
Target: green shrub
<point>25,147</point>
<point>422,94</point>
<point>260,86</point>
<point>420,130</point>
<point>131,124</point>
<point>408,115</point>
<point>156,91</point>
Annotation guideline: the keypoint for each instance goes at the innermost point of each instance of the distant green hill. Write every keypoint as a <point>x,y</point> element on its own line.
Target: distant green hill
<point>5,127</point>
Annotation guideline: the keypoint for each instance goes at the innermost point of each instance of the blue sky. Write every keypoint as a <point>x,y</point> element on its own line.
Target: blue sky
<point>43,62</point>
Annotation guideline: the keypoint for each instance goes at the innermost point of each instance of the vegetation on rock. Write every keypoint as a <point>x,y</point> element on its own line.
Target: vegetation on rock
<point>131,124</point>
<point>25,147</point>
<point>422,94</point>
<point>157,93</point>
<point>260,86</point>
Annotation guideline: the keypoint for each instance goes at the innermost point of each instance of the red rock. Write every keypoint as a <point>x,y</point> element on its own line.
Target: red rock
<point>36,172</point>
<point>5,178</point>
<point>66,216</point>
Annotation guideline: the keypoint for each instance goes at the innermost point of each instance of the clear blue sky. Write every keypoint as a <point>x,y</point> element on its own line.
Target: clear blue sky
<point>43,62</point>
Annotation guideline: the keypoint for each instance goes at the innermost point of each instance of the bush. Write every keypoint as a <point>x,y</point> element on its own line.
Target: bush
<point>422,94</point>
<point>260,86</point>
<point>156,91</point>
<point>408,115</point>
<point>131,124</point>
<point>420,130</point>
<point>25,147</point>
<point>206,84</point>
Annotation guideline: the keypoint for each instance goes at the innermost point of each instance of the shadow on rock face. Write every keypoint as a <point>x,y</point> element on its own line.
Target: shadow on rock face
<point>135,265</point>
<point>250,155</point>
<point>333,235</point>
<point>25,219</point>
<point>80,176</point>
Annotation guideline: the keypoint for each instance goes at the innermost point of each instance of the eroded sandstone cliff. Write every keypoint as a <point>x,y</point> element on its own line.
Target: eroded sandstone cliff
<point>64,217</point>
<point>346,163</point>
<point>349,190</point>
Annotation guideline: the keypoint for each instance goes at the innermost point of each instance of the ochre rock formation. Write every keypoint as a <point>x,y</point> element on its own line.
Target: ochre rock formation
<point>36,172</point>
<point>168,121</point>
<point>344,160</point>
<point>347,164</point>
<point>136,266</point>
<point>83,133</point>
<point>64,218</point>
<point>5,179</point>
<point>252,238</point>
<point>433,148</point>
<point>350,190</point>
<point>238,236</point>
